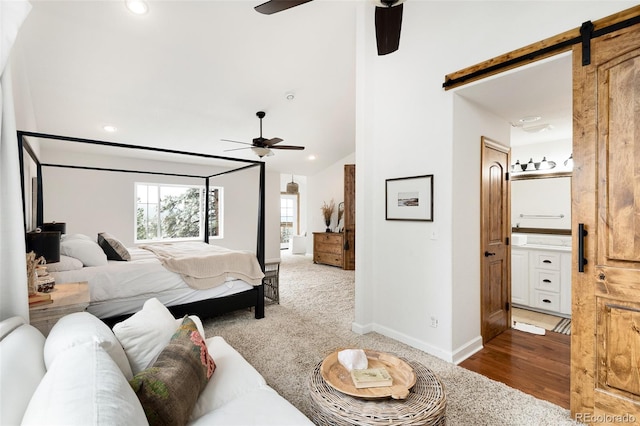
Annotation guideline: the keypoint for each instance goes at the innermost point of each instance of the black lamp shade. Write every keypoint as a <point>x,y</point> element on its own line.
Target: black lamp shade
<point>55,226</point>
<point>46,244</point>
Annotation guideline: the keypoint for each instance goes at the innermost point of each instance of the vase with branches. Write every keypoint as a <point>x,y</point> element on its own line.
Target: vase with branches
<point>327,212</point>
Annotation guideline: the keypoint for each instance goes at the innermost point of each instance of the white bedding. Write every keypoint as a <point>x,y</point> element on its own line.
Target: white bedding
<point>121,288</point>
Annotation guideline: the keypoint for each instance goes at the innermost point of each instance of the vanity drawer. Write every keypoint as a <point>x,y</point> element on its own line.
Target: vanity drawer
<point>547,280</point>
<point>546,300</point>
<point>545,260</point>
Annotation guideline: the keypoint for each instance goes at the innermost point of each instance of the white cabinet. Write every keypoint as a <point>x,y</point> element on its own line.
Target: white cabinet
<point>544,283</point>
<point>519,276</point>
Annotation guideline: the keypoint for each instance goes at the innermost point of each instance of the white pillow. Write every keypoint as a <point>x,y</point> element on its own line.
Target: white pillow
<point>87,252</point>
<point>66,237</point>
<point>81,328</point>
<point>66,263</point>
<point>84,386</point>
<point>145,334</point>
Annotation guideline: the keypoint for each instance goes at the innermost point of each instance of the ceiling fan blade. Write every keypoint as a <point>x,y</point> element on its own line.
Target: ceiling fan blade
<point>237,149</point>
<point>388,25</point>
<point>275,6</point>
<point>272,141</point>
<point>287,147</point>
<point>229,140</point>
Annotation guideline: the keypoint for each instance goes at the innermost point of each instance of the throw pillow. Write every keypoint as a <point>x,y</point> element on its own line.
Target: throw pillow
<point>113,248</point>
<point>144,334</point>
<point>168,390</point>
<point>87,252</point>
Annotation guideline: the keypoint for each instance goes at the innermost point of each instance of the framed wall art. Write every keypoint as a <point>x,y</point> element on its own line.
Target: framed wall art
<point>410,198</point>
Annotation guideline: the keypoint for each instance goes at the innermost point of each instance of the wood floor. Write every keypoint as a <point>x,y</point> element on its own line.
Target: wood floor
<point>537,365</point>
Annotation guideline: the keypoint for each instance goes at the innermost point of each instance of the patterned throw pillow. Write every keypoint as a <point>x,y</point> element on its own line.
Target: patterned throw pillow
<point>112,247</point>
<point>169,389</point>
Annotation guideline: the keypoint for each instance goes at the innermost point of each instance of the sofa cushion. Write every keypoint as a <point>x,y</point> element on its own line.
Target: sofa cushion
<point>79,328</point>
<point>22,367</point>
<point>168,390</point>
<point>234,378</point>
<point>84,386</point>
<point>144,334</point>
<point>263,406</point>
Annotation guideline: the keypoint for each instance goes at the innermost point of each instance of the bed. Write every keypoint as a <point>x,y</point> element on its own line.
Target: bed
<point>119,288</point>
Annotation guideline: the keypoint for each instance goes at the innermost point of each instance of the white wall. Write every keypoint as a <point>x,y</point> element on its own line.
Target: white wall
<point>406,125</point>
<point>322,187</point>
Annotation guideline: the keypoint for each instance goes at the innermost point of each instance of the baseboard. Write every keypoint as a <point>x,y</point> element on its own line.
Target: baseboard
<point>360,328</point>
<point>418,344</point>
<point>466,350</point>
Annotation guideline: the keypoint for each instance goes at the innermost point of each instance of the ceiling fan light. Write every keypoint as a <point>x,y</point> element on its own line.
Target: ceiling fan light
<point>261,152</point>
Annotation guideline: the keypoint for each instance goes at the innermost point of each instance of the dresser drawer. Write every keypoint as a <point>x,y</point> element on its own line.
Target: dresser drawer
<point>328,237</point>
<point>328,259</point>
<point>328,248</point>
<point>546,300</point>
<point>545,260</point>
<point>546,280</point>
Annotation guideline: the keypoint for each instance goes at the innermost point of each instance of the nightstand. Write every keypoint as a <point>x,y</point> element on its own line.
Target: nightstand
<point>67,299</point>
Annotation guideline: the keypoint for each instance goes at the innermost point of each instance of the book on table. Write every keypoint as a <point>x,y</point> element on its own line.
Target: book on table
<point>371,378</point>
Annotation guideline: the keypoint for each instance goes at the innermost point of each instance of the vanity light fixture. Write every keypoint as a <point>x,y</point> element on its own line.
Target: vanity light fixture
<point>532,166</point>
<point>569,161</point>
<point>139,7</point>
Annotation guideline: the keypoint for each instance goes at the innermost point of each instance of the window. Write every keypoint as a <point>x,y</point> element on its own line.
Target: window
<point>176,212</point>
<point>288,218</point>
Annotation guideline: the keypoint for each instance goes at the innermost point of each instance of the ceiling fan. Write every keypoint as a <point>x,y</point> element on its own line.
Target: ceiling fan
<point>388,20</point>
<point>262,146</point>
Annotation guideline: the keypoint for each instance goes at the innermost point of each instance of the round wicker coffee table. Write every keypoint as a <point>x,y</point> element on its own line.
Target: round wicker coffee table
<point>425,404</point>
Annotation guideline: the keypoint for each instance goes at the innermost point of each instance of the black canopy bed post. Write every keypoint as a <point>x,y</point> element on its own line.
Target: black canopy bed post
<point>206,210</point>
<point>24,146</point>
<point>261,237</point>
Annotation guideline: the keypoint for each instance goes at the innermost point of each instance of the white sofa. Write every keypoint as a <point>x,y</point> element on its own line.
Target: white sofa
<point>79,375</point>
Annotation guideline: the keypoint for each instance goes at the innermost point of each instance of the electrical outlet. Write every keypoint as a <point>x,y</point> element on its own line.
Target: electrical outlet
<point>434,321</point>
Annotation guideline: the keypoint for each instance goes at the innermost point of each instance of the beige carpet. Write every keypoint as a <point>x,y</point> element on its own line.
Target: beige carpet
<point>314,318</point>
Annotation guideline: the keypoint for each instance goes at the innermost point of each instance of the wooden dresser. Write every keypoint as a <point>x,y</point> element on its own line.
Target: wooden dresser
<point>328,248</point>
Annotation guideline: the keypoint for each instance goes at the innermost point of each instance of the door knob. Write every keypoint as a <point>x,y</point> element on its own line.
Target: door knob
<point>488,253</point>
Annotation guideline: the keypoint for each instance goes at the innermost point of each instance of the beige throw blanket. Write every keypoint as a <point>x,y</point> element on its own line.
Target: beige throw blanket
<point>205,266</point>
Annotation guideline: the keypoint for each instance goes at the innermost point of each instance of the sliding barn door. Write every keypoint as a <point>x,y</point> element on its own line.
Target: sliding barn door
<point>605,344</point>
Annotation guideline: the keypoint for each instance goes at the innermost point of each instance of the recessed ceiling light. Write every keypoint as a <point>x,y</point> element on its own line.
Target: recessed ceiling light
<point>139,7</point>
<point>109,128</point>
<point>537,128</point>
<point>290,96</point>
<point>311,157</point>
<point>529,119</point>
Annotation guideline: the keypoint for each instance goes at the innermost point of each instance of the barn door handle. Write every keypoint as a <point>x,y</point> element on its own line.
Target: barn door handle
<point>488,253</point>
<point>581,259</point>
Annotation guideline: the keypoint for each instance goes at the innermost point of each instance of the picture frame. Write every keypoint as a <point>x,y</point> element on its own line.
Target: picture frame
<point>409,198</point>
